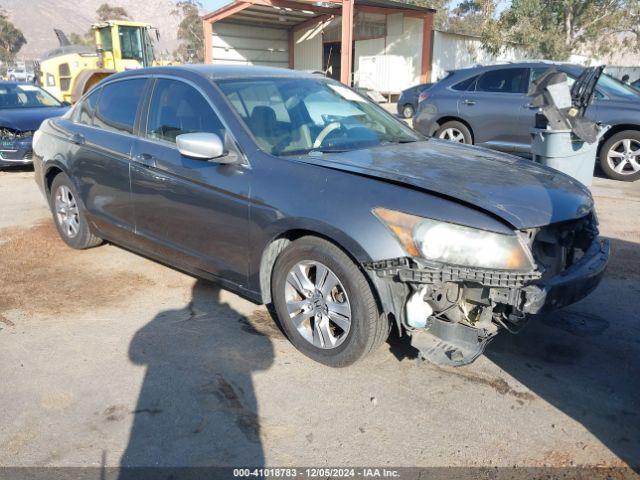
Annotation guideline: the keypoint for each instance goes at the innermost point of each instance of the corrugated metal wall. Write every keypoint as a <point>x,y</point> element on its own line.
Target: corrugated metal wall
<point>249,45</point>
<point>307,49</point>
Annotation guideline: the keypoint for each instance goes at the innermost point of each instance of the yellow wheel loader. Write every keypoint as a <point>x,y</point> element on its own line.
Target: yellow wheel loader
<point>71,70</point>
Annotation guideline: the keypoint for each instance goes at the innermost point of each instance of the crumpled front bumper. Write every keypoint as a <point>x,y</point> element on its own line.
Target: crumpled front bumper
<point>570,286</point>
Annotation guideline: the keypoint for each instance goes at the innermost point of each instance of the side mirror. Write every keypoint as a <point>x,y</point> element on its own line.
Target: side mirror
<point>201,145</point>
<point>66,104</point>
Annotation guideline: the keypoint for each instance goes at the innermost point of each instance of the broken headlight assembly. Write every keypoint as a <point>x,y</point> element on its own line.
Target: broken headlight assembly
<point>454,244</point>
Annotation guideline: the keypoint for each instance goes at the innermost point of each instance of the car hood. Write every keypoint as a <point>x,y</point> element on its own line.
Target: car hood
<point>519,191</point>
<point>27,119</point>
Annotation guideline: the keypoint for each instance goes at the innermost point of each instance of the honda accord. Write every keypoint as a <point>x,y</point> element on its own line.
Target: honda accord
<point>293,189</point>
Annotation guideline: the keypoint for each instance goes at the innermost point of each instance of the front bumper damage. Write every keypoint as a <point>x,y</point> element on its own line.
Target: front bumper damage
<point>451,312</point>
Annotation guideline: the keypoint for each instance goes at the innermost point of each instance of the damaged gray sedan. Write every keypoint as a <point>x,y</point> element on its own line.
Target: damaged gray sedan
<point>294,190</point>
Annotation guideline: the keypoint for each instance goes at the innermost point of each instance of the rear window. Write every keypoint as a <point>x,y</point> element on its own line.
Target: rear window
<point>87,109</point>
<point>465,85</point>
<point>504,80</point>
<point>118,105</point>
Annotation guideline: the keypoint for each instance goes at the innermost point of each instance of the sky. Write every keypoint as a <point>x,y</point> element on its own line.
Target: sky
<point>209,5</point>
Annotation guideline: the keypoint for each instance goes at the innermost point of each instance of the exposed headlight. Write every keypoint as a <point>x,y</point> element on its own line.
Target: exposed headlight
<point>456,244</point>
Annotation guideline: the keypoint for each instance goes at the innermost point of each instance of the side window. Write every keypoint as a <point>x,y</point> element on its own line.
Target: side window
<point>536,73</point>
<point>87,108</point>
<point>504,80</point>
<point>178,108</point>
<point>465,85</point>
<point>118,105</point>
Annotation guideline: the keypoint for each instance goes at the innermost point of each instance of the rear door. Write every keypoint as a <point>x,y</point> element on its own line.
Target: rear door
<point>102,135</point>
<point>196,211</point>
<point>497,109</point>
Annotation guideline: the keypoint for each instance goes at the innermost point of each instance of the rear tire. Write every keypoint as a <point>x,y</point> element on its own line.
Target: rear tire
<point>346,297</point>
<point>617,159</point>
<point>408,111</point>
<point>455,131</point>
<point>69,215</point>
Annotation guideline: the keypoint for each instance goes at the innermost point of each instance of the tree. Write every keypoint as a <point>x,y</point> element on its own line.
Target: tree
<point>190,32</point>
<point>556,28</point>
<point>11,39</point>
<point>472,16</point>
<point>107,12</point>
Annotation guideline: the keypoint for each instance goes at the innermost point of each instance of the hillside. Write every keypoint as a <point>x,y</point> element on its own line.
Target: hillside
<point>38,20</point>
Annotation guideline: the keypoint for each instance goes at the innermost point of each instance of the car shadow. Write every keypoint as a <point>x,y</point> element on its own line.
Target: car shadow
<point>197,406</point>
<point>583,359</point>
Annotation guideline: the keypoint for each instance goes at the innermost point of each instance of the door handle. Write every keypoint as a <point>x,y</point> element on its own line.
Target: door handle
<point>77,138</point>
<point>466,101</point>
<point>529,105</point>
<point>145,159</point>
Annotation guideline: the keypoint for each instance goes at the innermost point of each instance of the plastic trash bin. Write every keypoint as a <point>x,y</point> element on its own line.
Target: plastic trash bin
<point>563,151</point>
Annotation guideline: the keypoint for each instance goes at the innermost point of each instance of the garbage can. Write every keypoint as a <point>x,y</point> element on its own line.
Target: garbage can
<point>563,151</point>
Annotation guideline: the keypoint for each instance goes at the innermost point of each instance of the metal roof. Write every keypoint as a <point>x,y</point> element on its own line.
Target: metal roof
<point>296,12</point>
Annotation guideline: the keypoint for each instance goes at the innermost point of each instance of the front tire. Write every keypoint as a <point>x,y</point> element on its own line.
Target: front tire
<point>325,304</point>
<point>454,131</point>
<point>620,156</point>
<point>69,215</point>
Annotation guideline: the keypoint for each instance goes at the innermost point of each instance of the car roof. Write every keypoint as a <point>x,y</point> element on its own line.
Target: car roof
<point>13,84</point>
<point>219,72</point>
<point>528,63</point>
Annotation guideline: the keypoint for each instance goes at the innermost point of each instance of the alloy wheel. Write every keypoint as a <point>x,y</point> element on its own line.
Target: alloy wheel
<point>452,134</point>
<point>317,304</point>
<point>66,210</point>
<point>624,156</point>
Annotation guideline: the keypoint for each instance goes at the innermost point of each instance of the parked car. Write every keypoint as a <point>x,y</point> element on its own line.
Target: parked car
<point>408,101</point>
<point>488,106</point>
<point>347,222</point>
<point>23,107</point>
<point>20,74</point>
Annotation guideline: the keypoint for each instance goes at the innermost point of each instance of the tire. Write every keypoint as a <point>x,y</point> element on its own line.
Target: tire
<point>12,78</point>
<point>408,111</point>
<point>69,215</point>
<point>367,328</point>
<point>455,131</point>
<point>618,150</point>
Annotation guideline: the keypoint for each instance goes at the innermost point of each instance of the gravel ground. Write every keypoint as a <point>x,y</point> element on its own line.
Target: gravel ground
<point>107,358</point>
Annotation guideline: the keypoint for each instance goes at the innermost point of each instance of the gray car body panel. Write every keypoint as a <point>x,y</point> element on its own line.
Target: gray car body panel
<point>502,121</point>
<point>217,220</point>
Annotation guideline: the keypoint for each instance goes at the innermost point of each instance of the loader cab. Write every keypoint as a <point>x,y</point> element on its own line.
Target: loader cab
<point>124,45</point>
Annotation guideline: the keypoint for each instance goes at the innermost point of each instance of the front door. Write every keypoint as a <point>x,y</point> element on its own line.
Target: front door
<point>497,109</point>
<point>194,210</point>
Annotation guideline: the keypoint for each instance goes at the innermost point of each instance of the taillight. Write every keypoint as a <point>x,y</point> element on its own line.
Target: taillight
<point>423,96</point>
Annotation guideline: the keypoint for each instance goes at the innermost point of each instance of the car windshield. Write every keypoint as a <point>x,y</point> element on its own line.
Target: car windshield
<point>26,96</point>
<point>289,116</point>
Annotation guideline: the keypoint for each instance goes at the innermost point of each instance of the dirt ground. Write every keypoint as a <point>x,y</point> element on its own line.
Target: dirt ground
<point>108,359</point>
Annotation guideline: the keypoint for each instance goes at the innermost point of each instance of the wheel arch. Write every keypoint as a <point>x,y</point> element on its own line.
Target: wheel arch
<point>282,239</point>
<point>52,171</point>
<point>451,118</point>
<point>614,130</point>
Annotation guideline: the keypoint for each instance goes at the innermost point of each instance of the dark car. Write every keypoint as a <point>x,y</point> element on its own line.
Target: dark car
<point>408,100</point>
<point>293,189</point>
<point>23,107</point>
<point>489,106</point>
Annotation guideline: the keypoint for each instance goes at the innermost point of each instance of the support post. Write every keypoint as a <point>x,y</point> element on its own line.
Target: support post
<point>291,48</point>
<point>427,49</point>
<point>207,31</point>
<point>346,57</point>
